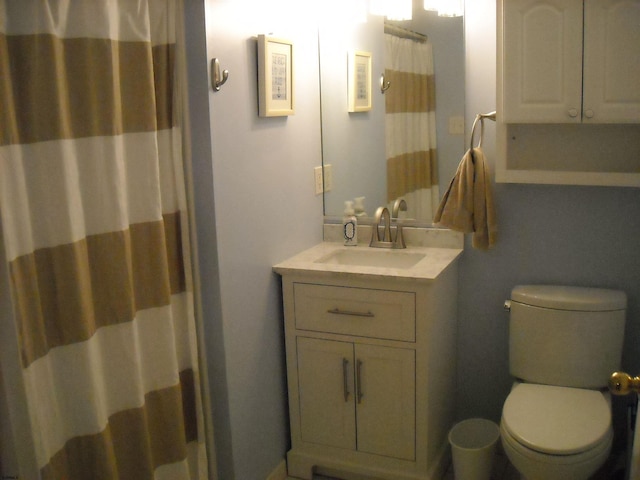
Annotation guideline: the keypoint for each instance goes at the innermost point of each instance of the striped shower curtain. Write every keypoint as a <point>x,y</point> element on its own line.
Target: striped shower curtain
<point>412,167</point>
<point>93,203</point>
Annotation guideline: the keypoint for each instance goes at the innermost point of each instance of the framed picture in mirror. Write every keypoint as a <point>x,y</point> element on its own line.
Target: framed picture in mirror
<point>359,81</point>
<point>275,77</point>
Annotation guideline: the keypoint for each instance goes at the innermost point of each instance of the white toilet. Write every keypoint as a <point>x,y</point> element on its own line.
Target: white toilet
<point>564,343</point>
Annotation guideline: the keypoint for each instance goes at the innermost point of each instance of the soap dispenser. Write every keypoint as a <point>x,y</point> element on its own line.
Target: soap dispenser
<point>349,225</point>
<point>358,207</point>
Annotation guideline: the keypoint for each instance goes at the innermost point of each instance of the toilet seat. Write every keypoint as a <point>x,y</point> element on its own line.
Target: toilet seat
<point>596,455</point>
<point>536,465</point>
<point>555,420</point>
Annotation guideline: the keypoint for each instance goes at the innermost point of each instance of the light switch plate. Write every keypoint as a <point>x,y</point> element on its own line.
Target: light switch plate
<point>328,177</point>
<point>317,174</point>
<point>456,125</point>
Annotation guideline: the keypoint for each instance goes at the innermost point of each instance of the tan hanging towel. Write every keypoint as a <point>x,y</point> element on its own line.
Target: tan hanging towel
<point>467,205</point>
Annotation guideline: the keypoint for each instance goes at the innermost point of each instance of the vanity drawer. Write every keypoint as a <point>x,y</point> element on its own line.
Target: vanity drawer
<point>361,312</point>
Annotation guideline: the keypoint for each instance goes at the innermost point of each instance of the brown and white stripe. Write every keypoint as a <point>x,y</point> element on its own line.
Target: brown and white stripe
<point>410,128</point>
<point>93,217</point>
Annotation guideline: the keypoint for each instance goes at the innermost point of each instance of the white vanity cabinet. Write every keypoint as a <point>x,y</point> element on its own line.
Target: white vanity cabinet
<point>571,61</point>
<point>371,372</point>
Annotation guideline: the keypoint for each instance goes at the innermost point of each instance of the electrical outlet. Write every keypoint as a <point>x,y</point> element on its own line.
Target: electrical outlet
<point>317,173</point>
<point>328,177</point>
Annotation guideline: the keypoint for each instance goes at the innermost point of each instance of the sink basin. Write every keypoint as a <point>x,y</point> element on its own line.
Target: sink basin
<point>373,258</point>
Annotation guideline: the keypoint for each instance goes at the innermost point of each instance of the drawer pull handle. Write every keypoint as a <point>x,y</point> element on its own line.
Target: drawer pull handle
<point>337,311</point>
<point>345,372</point>
<point>359,393</point>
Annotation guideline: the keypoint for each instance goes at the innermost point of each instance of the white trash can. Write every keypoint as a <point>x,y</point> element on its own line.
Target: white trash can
<point>473,445</point>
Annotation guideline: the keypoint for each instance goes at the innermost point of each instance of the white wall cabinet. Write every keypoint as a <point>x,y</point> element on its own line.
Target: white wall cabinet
<point>371,374</point>
<point>568,98</point>
<point>545,77</point>
<point>611,91</point>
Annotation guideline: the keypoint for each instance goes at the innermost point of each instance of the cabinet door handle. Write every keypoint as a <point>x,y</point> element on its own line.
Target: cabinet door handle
<point>345,374</point>
<point>359,393</point>
<point>337,311</point>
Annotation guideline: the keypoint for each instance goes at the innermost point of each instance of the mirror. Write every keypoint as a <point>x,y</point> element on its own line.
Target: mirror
<point>355,144</point>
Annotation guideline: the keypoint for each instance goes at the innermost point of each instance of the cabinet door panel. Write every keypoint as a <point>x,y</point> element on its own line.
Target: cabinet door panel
<point>612,61</point>
<point>386,411</point>
<point>326,385</point>
<point>542,61</point>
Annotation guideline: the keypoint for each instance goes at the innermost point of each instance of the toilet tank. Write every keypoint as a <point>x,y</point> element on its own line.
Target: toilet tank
<point>567,336</point>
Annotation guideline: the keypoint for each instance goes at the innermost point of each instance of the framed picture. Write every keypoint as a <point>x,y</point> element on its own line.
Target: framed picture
<point>275,77</point>
<point>359,81</point>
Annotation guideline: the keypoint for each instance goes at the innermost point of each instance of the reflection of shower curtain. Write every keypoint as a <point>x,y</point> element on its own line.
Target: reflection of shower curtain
<point>412,167</point>
<point>92,199</point>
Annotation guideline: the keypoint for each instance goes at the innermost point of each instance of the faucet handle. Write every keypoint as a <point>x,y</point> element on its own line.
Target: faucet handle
<point>398,206</point>
<point>398,241</point>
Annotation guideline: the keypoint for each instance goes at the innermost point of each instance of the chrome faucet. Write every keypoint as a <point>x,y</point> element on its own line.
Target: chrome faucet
<point>387,241</point>
<point>376,241</point>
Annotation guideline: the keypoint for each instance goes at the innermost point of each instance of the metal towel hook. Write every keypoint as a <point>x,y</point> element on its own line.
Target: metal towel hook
<point>384,84</point>
<point>217,80</point>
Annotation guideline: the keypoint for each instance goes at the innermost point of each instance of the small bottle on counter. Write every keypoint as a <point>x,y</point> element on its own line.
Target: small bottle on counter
<point>349,225</point>
<point>358,207</point>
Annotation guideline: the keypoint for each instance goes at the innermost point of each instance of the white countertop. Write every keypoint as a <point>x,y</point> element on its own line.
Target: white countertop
<point>435,262</point>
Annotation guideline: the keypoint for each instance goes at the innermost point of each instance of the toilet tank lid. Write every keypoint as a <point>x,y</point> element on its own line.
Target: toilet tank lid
<point>561,297</point>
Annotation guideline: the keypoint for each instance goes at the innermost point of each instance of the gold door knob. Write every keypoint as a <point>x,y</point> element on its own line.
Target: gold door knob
<point>621,383</point>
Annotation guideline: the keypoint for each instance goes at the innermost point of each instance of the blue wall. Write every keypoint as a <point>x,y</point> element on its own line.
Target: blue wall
<point>255,206</point>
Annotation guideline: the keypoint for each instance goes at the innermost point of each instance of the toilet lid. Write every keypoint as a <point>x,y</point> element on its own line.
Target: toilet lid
<point>556,420</point>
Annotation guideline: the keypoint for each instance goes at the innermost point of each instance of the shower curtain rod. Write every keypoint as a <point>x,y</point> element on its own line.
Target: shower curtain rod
<point>404,33</point>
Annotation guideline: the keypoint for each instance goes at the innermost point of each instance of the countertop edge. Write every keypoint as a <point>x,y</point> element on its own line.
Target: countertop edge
<point>436,261</point>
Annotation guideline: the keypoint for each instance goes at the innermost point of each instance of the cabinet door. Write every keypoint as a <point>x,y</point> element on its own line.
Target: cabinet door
<point>326,386</point>
<point>542,65</point>
<point>385,397</point>
<point>612,61</point>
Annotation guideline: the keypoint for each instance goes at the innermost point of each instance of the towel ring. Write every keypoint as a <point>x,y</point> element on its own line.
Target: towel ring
<point>473,131</point>
<point>481,117</point>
